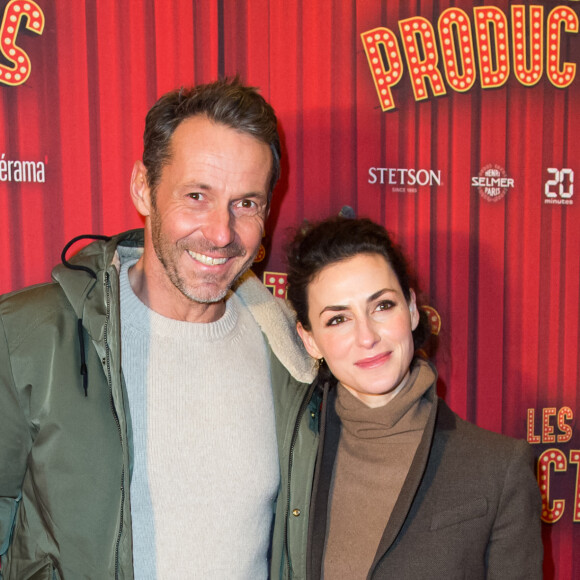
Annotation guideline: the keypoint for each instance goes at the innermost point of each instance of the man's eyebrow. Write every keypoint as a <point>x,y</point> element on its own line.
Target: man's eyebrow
<point>258,196</point>
<point>206,187</point>
<point>197,185</point>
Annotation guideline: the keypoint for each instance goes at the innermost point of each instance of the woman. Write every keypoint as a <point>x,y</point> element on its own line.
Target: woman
<point>402,488</point>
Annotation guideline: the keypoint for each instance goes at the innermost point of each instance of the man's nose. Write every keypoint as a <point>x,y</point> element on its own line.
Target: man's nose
<point>219,228</point>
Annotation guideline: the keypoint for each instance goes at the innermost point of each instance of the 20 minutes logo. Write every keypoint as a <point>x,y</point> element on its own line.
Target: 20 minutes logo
<point>559,189</point>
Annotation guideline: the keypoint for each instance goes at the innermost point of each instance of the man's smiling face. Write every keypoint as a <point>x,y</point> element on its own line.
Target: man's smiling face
<point>206,218</point>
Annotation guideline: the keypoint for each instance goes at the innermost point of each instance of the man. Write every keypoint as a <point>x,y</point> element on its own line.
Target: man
<point>140,397</point>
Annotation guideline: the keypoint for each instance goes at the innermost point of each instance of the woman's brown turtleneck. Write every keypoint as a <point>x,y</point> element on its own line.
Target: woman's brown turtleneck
<point>375,451</point>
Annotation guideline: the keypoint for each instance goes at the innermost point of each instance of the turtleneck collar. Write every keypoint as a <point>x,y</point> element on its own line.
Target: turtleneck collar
<point>373,423</point>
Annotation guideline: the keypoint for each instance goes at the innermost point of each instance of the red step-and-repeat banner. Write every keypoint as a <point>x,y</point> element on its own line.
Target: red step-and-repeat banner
<point>454,123</point>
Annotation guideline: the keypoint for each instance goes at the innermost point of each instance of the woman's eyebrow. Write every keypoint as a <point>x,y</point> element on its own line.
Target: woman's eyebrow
<point>378,293</point>
<point>336,308</point>
<point>374,296</point>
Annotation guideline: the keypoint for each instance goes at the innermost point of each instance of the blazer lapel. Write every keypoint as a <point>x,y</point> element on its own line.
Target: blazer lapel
<point>410,487</point>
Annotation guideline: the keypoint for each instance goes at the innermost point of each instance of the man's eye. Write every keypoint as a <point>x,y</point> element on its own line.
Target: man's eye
<point>247,207</point>
<point>195,195</point>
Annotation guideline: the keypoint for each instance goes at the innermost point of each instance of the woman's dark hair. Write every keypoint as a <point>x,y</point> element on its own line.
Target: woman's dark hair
<point>317,245</point>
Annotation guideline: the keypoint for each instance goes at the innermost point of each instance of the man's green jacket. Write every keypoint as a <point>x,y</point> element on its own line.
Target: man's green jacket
<point>65,429</point>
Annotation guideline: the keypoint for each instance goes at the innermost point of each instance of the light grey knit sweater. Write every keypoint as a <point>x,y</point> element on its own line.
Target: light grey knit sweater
<point>206,468</point>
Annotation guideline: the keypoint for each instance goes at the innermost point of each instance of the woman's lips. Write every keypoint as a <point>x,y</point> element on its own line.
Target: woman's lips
<point>373,361</point>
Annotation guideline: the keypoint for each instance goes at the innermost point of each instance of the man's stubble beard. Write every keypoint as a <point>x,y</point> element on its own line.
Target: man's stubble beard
<point>164,251</point>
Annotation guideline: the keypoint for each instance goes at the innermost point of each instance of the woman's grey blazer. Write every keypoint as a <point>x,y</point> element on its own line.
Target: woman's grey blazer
<point>469,508</point>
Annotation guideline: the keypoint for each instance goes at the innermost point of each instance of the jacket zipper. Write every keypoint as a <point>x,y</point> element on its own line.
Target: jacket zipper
<point>301,411</point>
<point>116,417</point>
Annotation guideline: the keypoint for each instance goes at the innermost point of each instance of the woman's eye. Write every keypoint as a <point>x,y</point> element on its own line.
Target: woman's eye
<point>335,320</point>
<point>385,305</point>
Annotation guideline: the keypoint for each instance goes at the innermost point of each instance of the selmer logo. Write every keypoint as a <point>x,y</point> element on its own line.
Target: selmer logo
<point>492,182</point>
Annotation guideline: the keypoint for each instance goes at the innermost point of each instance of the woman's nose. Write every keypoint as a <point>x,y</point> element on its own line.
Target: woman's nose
<point>367,334</point>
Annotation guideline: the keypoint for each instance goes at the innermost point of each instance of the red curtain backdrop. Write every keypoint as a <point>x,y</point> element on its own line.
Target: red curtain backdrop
<point>504,274</point>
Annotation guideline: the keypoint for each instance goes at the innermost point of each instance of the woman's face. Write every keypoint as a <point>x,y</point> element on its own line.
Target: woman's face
<point>362,325</point>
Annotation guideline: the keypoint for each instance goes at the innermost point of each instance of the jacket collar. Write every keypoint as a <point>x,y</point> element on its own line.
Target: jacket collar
<point>98,257</point>
<point>86,296</point>
<point>278,324</point>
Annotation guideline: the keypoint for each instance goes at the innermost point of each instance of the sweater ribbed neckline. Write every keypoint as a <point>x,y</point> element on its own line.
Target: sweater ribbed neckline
<point>364,422</point>
<point>143,319</point>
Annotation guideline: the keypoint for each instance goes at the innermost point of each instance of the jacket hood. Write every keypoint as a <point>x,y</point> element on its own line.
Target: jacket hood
<point>278,323</point>
<point>96,257</point>
<point>275,318</point>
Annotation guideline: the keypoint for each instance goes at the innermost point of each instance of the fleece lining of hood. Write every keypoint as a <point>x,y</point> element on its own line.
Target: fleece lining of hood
<point>278,323</point>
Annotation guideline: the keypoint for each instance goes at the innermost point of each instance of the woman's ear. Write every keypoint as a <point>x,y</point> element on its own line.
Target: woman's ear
<point>140,192</point>
<point>309,342</point>
<point>413,310</point>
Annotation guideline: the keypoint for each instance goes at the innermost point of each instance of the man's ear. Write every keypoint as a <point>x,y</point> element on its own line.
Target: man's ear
<point>413,310</point>
<point>309,342</point>
<point>140,192</point>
